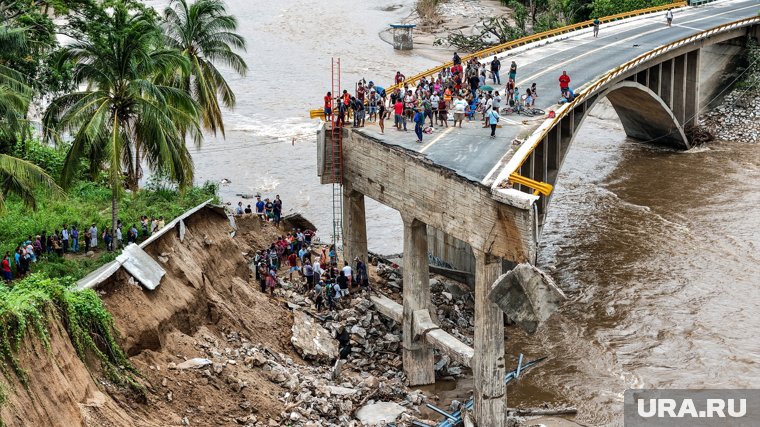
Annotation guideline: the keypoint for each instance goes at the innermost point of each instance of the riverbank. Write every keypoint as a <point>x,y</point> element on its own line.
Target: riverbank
<point>736,118</point>
<point>450,16</point>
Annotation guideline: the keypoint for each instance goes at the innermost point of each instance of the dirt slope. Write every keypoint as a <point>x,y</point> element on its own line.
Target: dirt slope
<point>204,307</point>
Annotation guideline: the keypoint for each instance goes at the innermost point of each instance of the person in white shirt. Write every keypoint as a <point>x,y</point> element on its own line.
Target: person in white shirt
<point>669,17</point>
<point>496,103</point>
<point>65,238</point>
<point>487,105</point>
<point>348,272</point>
<point>459,106</point>
<point>118,238</point>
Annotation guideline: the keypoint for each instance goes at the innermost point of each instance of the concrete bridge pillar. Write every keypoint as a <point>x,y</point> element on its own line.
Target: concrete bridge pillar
<point>354,226</point>
<point>417,356</point>
<point>692,88</point>
<point>488,362</point>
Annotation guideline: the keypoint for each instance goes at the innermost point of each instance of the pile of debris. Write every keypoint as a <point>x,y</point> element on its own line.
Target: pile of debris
<point>736,119</point>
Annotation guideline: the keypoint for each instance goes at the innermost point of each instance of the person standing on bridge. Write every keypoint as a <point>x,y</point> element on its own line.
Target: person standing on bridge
<point>596,27</point>
<point>419,121</point>
<point>493,120</point>
<point>669,17</point>
<point>400,77</point>
<point>513,71</point>
<point>459,107</point>
<point>456,60</point>
<point>495,67</point>
<point>564,82</point>
<point>328,107</point>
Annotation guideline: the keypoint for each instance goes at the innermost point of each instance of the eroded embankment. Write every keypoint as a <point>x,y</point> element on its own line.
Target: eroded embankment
<point>203,302</point>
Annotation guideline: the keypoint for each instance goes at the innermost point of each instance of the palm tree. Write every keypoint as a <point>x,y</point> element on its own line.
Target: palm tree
<point>17,176</point>
<point>205,34</point>
<point>123,116</point>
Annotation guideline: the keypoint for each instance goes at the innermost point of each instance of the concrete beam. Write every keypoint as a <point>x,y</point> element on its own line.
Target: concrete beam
<point>417,355</point>
<point>388,308</point>
<point>424,328</point>
<point>413,185</point>
<point>354,226</point>
<point>488,364</point>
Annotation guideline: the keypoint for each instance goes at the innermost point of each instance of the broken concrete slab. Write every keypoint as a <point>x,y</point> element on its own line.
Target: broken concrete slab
<point>195,363</point>
<point>527,296</point>
<point>311,340</point>
<point>388,307</point>
<point>379,414</point>
<point>141,266</point>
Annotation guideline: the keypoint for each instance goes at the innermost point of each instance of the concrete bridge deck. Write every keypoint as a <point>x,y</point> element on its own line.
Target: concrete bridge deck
<point>471,153</point>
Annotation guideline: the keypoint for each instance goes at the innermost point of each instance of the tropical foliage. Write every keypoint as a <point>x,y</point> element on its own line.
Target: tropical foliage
<point>205,34</point>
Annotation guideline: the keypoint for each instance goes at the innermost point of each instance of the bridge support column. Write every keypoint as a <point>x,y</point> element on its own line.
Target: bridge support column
<point>354,226</point>
<point>692,88</point>
<point>488,363</point>
<point>679,88</point>
<point>417,356</point>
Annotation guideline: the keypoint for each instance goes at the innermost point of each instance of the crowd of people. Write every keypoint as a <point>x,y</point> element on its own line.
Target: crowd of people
<point>316,269</point>
<point>266,210</point>
<point>456,93</point>
<point>73,240</point>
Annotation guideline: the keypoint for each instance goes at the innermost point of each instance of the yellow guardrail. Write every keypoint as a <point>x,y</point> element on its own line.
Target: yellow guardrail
<point>538,187</point>
<point>532,38</point>
<point>319,113</point>
<point>510,172</point>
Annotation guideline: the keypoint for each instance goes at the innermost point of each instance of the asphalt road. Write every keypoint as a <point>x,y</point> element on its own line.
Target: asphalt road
<point>473,154</point>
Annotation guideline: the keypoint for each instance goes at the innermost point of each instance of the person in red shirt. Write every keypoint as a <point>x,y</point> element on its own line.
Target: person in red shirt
<point>564,82</point>
<point>398,110</point>
<point>328,107</point>
<point>293,264</point>
<point>6,267</point>
<point>399,77</point>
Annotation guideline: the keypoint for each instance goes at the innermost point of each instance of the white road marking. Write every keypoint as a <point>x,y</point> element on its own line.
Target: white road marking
<point>690,28</point>
<point>436,139</point>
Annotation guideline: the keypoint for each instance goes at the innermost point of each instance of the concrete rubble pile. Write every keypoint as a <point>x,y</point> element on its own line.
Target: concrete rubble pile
<point>736,119</point>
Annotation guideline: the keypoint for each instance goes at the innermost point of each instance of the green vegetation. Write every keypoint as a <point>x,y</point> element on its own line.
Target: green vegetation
<point>128,91</point>
<point>751,80</point>
<point>612,7</point>
<point>26,308</point>
<point>124,116</point>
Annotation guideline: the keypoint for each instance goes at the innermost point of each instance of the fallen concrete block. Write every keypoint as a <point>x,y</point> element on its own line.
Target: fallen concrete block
<point>527,296</point>
<point>196,363</point>
<point>379,414</point>
<point>311,340</point>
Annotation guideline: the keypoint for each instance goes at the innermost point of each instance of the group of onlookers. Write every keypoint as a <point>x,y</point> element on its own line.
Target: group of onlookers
<point>316,269</point>
<point>69,240</point>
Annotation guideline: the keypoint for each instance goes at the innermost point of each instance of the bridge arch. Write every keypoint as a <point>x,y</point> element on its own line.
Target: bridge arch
<point>644,115</point>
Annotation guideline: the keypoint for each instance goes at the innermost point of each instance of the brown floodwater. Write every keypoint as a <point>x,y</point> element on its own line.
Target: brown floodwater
<point>658,250</point>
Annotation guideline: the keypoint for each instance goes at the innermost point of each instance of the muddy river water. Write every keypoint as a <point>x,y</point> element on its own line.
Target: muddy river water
<point>659,251</point>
